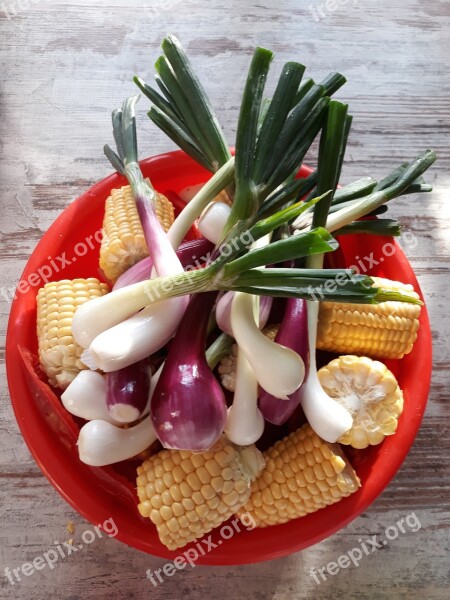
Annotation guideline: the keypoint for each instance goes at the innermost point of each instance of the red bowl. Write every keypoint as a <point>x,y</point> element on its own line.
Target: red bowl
<point>101,493</point>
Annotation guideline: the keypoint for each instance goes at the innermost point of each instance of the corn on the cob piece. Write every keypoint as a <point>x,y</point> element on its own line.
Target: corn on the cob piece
<point>386,330</point>
<point>57,302</point>
<point>123,243</point>
<point>370,392</point>
<point>302,475</point>
<point>187,494</point>
<point>228,364</point>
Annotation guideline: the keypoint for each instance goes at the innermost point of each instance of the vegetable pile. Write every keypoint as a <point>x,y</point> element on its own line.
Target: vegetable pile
<point>191,360</point>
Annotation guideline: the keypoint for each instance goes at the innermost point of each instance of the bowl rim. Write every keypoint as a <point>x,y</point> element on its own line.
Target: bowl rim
<point>51,472</point>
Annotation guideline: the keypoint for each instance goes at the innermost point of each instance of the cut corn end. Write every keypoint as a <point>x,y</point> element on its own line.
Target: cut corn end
<point>123,242</point>
<point>57,302</point>
<point>187,494</point>
<point>370,392</point>
<point>228,364</point>
<point>302,475</point>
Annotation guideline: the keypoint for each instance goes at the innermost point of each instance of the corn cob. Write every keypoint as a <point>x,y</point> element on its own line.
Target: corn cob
<point>386,330</point>
<point>123,243</point>
<point>370,392</point>
<point>228,364</point>
<point>302,475</point>
<point>187,494</point>
<point>57,302</point>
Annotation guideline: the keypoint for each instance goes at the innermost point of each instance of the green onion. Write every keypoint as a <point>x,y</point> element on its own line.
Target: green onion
<point>183,110</point>
<point>305,244</point>
<point>246,200</point>
<point>331,150</point>
<point>362,207</point>
<point>372,227</point>
<point>275,116</point>
<point>354,190</point>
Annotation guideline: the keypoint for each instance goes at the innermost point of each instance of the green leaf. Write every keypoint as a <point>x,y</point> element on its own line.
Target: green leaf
<point>332,146</point>
<point>294,154</point>
<point>115,160</point>
<point>304,88</point>
<point>181,100</point>
<point>265,226</point>
<point>304,244</point>
<point>333,82</point>
<point>246,199</point>
<point>179,136</point>
<point>198,99</point>
<point>347,127</point>
<point>128,142</point>
<point>117,132</point>
<point>389,227</point>
<point>158,100</point>
<point>356,189</point>
<point>391,178</point>
<point>276,116</point>
<point>296,121</point>
<point>286,193</point>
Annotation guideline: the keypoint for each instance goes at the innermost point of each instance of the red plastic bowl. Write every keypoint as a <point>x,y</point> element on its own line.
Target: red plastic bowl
<point>101,493</point>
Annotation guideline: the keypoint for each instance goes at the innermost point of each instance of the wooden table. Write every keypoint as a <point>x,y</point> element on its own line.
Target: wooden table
<point>65,65</point>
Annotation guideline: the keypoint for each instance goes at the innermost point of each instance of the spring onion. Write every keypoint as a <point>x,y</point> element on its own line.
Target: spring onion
<point>188,408</point>
<point>223,311</point>
<point>183,110</point>
<point>213,220</point>
<point>86,397</point>
<point>293,333</point>
<point>327,417</point>
<point>165,260</point>
<point>127,391</point>
<point>190,253</point>
<point>100,443</point>
<point>136,338</point>
<point>194,208</point>
<point>245,423</point>
<point>279,370</point>
<point>377,198</point>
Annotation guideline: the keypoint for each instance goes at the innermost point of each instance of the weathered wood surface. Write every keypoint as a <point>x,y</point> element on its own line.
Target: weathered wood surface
<point>64,66</point>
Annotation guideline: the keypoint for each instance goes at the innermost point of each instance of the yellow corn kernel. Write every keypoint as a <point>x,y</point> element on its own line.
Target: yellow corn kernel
<point>370,392</point>
<point>210,487</point>
<point>57,302</point>
<point>301,488</point>
<point>227,366</point>
<point>385,330</point>
<point>123,243</point>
